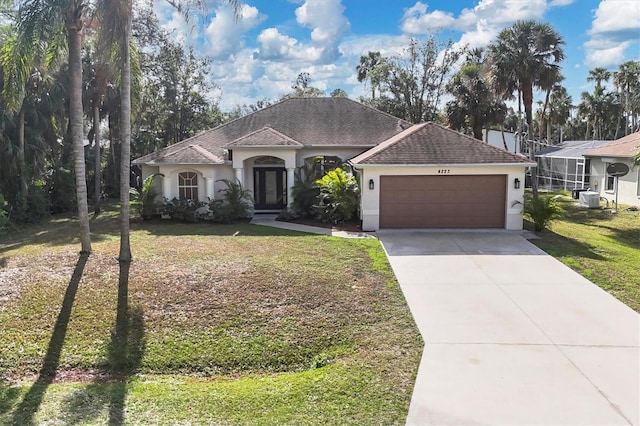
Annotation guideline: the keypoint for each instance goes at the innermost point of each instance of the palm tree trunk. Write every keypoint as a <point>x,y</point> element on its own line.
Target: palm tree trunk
<point>504,141</point>
<point>125,141</point>
<point>542,116</point>
<point>527,98</point>
<point>22,167</point>
<point>96,148</point>
<point>74,39</point>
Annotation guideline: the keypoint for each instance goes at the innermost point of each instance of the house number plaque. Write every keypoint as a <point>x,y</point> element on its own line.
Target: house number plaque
<point>444,171</point>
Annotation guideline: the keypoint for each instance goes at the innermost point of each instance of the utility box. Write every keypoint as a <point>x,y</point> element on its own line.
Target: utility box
<point>590,199</point>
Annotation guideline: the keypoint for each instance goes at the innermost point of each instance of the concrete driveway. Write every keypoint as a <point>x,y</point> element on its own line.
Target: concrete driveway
<point>512,336</point>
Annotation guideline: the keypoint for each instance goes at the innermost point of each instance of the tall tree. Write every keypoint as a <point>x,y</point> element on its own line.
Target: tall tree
<point>520,57</point>
<point>418,77</point>
<point>473,99</point>
<point>45,20</point>
<point>374,68</point>
<point>599,74</point>
<point>627,82</point>
<point>560,105</point>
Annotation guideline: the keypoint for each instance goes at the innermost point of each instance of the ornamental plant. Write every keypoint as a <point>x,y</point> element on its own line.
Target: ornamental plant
<point>340,195</point>
<point>542,210</point>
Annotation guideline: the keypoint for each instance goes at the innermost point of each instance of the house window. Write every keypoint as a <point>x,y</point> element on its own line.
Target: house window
<point>611,182</point>
<point>188,186</point>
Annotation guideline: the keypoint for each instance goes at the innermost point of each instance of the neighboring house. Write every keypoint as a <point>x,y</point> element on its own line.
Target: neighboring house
<point>619,151</point>
<point>564,166</point>
<point>494,138</point>
<point>443,178</point>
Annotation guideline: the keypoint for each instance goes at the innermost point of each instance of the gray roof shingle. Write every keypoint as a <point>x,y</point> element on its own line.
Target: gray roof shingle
<point>431,144</point>
<point>264,137</point>
<point>309,121</point>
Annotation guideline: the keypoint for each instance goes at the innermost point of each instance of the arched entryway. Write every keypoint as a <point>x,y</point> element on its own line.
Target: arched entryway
<point>269,183</point>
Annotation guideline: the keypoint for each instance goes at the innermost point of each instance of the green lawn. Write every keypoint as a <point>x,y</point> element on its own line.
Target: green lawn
<point>601,245</point>
<point>225,324</point>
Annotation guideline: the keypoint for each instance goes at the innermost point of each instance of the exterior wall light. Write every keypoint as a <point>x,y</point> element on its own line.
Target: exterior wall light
<point>371,184</point>
<point>516,183</point>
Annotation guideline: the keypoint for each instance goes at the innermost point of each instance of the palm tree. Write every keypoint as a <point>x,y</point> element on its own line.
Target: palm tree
<point>118,19</point>
<point>549,80</point>
<point>599,74</point>
<point>44,20</point>
<point>560,105</point>
<point>627,81</point>
<point>473,101</point>
<point>520,58</point>
<point>372,67</point>
<point>116,30</point>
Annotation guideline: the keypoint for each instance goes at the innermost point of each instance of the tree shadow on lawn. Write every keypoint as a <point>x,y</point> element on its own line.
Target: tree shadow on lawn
<point>629,236</point>
<point>560,246</point>
<point>28,407</point>
<point>126,349</point>
<point>109,387</point>
<point>59,230</point>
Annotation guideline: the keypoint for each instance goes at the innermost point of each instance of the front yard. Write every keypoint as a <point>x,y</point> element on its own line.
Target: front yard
<point>225,324</point>
<point>601,245</point>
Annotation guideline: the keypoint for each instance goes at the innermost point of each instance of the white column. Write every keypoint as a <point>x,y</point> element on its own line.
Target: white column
<point>239,173</point>
<point>290,182</point>
<point>166,187</point>
<point>208,187</point>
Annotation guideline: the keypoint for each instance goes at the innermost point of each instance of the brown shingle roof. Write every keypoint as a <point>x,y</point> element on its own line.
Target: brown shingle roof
<point>627,146</point>
<point>190,154</point>
<point>264,137</point>
<point>429,143</point>
<point>309,121</point>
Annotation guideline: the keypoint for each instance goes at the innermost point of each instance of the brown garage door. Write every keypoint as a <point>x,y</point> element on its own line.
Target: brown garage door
<point>442,201</point>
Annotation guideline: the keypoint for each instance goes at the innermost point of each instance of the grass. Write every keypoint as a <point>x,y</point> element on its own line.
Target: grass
<point>225,324</point>
<point>601,245</point>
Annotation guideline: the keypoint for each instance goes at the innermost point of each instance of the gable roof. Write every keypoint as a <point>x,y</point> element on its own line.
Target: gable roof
<point>189,154</point>
<point>430,143</point>
<point>263,138</point>
<point>627,146</point>
<point>308,121</point>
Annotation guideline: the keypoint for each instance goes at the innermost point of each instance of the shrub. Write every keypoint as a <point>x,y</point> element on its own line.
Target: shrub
<point>237,200</point>
<point>4,220</point>
<point>181,209</point>
<point>340,195</point>
<point>145,199</point>
<point>37,203</point>
<point>60,185</point>
<point>542,210</point>
<point>305,191</point>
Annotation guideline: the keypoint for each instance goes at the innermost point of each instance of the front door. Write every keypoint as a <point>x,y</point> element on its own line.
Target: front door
<point>270,188</point>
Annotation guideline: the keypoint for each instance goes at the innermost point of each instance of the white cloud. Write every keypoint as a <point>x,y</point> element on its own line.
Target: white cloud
<point>561,2</point>
<point>603,53</point>
<point>328,26</point>
<point>416,20</point>
<point>615,27</point>
<point>274,45</point>
<point>225,34</point>
<point>615,16</point>
<point>488,13</point>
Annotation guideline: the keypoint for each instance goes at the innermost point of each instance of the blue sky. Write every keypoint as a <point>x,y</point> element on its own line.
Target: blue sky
<point>260,55</point>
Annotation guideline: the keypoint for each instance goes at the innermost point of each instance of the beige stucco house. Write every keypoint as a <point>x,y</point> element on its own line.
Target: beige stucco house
<point>411,176</point>
<point>620,150</point>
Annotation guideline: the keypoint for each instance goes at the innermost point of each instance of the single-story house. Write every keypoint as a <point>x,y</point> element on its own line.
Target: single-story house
<point>620,150</point>
<point>411,175</point>
<point>564,166</point>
